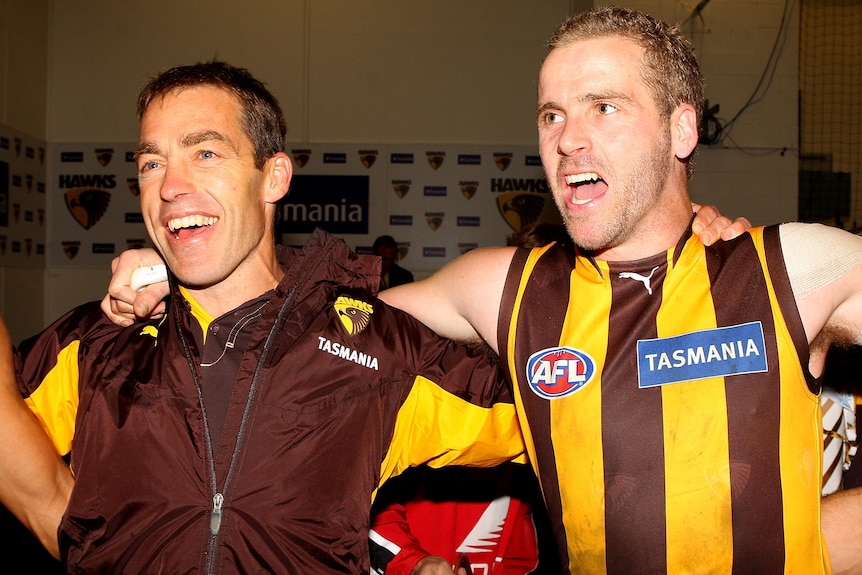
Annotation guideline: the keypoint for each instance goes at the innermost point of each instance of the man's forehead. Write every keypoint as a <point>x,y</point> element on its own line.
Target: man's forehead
<point>192,115</point>
<point>588,50</point>
<point>592,62</point>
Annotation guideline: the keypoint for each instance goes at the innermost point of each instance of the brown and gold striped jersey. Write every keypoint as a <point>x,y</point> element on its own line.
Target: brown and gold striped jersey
<point>668,407</point>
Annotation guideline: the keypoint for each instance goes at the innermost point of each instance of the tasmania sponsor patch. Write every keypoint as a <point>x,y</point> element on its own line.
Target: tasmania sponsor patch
<point>718,352</point>
<point>559,371</point>
<point>347,353</point>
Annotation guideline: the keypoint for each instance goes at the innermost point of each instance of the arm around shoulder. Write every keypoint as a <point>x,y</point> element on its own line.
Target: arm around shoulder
<point>462,300</point>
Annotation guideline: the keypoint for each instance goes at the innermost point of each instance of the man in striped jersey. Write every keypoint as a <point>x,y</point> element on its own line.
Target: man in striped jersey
<point>668,391</point>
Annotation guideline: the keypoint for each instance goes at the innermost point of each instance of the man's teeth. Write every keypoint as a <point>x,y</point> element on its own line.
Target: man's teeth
<point>581,178</point>
<point>190,222</point>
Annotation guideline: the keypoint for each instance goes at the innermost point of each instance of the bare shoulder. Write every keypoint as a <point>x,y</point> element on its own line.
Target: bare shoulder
<point>825,269</point>
<point>816,255</point>
<point>462,300</point>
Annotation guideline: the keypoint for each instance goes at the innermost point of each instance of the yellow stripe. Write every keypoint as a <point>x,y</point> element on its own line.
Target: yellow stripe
<point>55,401</point>
<point>534,256</point>
<point>801,452</point>
<point>199,313</point>
<point>699,522</point>
<point>438,428</point>
<point>576,424</point>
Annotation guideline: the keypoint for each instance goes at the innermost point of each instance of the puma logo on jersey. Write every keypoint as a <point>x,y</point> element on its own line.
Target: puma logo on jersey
<point>643,279</point>
<point>153,331</point>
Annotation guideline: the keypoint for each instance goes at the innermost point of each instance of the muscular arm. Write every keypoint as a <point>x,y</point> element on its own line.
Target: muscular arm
<point>462,300</point>
<point>35,483</point>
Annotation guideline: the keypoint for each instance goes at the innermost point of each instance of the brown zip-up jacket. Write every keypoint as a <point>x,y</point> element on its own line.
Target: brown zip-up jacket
<point>335,392</point>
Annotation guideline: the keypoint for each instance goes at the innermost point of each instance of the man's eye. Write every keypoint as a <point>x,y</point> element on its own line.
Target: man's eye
<point>147,166</point>
<point>207,154</point>
<point>552,118</point>
<point>605,108</point>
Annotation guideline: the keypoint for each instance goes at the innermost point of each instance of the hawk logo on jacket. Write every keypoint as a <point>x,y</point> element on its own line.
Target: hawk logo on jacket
<point>355,315</point>
<point>559,371</point>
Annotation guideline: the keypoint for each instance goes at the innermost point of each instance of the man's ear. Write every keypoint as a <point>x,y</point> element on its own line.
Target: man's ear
<point>683,128</point>
<point>278,171</point>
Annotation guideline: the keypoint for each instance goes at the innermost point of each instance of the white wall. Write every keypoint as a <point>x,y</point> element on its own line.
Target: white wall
<point>23,96</point>
<point>385,71</point>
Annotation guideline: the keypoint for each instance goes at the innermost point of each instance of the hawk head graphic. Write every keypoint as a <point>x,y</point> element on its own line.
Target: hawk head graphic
<point>354,314</point>
<point>87,205</point>
<point>469,189</point>
<point>401,188</point>
<point>368,158</point>
<point>520,209</point>
<point>301,157</point>
<point>435,160</point>
<point>503,161</point>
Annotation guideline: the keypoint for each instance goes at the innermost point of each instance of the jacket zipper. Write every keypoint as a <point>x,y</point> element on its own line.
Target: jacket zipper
<point>218,498</point>
<point>215,516</point>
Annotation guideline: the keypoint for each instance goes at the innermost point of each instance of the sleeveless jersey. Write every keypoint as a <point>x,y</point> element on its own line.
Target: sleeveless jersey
<point>668,407</point>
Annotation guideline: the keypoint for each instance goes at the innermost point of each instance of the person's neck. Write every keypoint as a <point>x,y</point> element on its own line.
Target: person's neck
<point>241,286</point>
<point>652,235</point>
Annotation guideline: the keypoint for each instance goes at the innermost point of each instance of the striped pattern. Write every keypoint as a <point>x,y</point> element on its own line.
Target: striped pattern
<point>684,477</point>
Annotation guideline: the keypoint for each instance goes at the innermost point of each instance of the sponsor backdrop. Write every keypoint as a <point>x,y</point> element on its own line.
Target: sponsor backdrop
<point>436,201</point>
<point>22,199</point>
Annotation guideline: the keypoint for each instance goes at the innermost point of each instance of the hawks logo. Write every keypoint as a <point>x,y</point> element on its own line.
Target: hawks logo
<point>469,189</point>
<point>434,220</point>
<point>301,157</point>
<point>559,371</point>
<point>71,249</point>
<point>401,187</point>
<point>355,315</point>
<point>134,186</point>
<point>367,157</point>
<point>435,159</point>
<point>520,209</point>
<point>503,161</point>
<point>87,205</point>
<point>104,155</point>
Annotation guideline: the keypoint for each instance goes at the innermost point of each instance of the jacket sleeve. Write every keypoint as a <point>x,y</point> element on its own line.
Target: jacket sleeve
<point>394,548</point>
<point>458,412</point>
<point>47,369</point>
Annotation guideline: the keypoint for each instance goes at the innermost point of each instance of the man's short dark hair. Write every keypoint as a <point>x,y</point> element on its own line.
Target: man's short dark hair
<point>261,116</point>
<point>384,242</point>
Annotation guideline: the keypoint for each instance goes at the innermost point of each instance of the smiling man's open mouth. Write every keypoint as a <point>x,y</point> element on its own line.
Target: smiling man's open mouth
<point>190,222</point>
<point>586,187</point>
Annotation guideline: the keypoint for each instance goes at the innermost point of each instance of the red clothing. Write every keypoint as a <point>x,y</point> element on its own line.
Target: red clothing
<point>484,514</point>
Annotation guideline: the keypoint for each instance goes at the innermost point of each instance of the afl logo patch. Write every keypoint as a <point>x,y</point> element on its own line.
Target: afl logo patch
<point>559,371</point>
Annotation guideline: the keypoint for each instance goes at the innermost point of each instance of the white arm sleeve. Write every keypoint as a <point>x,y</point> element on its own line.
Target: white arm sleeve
<point>816,255</point>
